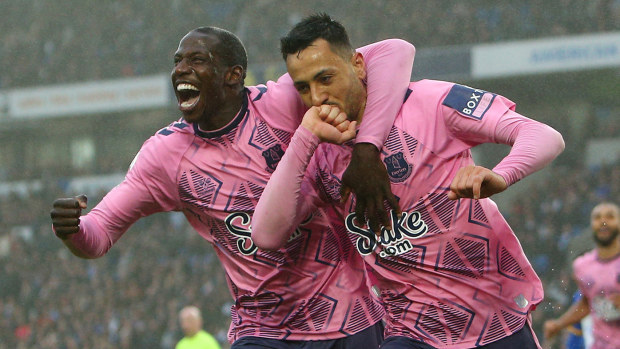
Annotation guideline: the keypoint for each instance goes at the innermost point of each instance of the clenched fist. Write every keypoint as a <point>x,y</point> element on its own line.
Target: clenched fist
<point>66,214</point>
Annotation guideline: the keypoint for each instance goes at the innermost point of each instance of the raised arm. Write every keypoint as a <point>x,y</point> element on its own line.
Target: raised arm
<point>97,231</point>
<point>290,195</point>
<point>388,67</point>
<point>389,64</point>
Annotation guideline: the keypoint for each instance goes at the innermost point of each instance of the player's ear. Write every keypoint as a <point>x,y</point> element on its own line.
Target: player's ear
<point>235,75</point>
<point>357,60</point>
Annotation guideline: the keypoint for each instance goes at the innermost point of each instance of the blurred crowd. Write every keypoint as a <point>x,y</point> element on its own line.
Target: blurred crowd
<point>69,41</point>
<point>128,299</point>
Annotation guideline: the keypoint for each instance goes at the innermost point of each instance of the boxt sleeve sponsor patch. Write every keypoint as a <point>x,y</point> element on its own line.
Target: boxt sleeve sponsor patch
<point>468,101</point>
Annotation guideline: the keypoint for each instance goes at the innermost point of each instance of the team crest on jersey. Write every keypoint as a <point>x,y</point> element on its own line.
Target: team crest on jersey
<point>397,167</point>
<point>469,101</point>
<point>272,157</point>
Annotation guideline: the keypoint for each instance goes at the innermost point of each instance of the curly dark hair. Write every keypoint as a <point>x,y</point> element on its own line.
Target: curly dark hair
<point>311,28</point>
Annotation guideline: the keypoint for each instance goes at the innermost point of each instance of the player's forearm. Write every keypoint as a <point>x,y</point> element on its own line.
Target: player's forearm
<point>108,221</point>
<point>534,145</point>
<point>90,242</point>
<point>78,251</point>
<point>282,206</point>
<point>574,314</point>
<point>388,67</point>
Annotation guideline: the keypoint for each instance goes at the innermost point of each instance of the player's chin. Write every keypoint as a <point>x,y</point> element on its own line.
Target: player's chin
<point>191,114</point>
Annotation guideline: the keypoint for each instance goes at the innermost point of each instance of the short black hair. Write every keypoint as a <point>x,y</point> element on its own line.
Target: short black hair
<point>311,28</point>
<point>230,49</point>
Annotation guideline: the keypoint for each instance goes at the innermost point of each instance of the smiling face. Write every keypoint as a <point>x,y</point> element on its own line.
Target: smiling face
<point>198,77</point>
<point>605,222</point>
<point>322,76</point>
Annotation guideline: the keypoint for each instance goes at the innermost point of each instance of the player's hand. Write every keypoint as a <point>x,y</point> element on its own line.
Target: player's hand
<point>551,328</point>
<point>476,182</point>
<point>66,214</point>
<point>329,124</point>
<point>367,178</point>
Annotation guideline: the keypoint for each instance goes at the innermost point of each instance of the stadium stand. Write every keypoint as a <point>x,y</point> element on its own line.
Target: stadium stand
<point>131,297</point>
<point>93,40</point>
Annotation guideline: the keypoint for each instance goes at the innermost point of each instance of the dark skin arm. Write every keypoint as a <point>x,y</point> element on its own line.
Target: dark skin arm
<point>65,216</point>
<point>367,178</point>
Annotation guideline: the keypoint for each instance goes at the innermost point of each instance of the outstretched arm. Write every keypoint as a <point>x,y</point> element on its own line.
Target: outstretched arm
<point>574,314</point>
<point>92,235</point>
<point>148,188</point>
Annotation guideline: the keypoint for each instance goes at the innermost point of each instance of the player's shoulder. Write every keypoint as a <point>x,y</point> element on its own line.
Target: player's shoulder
<point>585,259</point>
<point>425,92</point>
<point>448,93</point>
<point>255,93</point>
<point>277,89</point>
<point>167,143</point>
<point>431,87</point>
<point>182,344</point>
<point>179,127</point>
<point>468,101</point>
<point>174,132</point>
<point>277,103</point>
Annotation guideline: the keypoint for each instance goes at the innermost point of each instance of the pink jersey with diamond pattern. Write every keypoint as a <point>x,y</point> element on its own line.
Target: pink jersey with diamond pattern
<point>312,289</point>
<point>450,273</point>
<point>598,280</point>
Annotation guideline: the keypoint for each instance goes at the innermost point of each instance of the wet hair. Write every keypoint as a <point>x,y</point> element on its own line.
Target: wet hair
<point>230,49</point>
<point>311,28</point>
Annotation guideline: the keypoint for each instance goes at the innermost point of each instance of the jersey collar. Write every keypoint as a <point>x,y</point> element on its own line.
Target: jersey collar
<point>231,125</point>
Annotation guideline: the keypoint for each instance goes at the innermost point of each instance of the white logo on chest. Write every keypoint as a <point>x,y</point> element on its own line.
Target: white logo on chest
<point>243,231</point>
<point>393,242</point>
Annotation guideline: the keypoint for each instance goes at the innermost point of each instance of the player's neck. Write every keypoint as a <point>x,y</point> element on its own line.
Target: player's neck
<point>609,252</point>
<point>224,115</point>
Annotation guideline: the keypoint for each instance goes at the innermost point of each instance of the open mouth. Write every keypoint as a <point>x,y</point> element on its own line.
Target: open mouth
<point>188,96</point>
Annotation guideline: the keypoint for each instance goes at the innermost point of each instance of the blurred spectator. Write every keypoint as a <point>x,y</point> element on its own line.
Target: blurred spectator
<point>195,337</point>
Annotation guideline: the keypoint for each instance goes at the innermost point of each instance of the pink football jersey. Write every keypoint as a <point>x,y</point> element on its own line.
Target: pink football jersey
<point>312,289</point>
<point>450,273</point>
<point>597,280</point>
